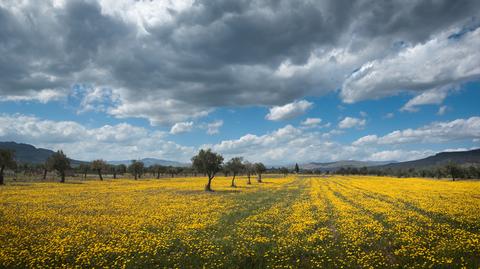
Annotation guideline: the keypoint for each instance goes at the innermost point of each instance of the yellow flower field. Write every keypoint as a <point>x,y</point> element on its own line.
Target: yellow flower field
<point>293,222</point>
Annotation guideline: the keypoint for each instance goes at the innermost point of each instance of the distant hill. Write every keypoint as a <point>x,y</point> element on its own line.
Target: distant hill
<point>25,153</point>
<point>151,161</point>
<point>458,157</point>
<point>333,166</point>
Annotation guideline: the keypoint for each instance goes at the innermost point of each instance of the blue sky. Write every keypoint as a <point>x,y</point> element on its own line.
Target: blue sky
<point>293,86</point>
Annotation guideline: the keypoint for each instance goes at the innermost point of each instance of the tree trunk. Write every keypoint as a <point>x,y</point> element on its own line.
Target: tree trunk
<point>135,175</point>
<point>233,181</point>
<point>208,187</point>
<point>158,174</point>
<point>85,175</point>
<point>62,176</point>
<point>249,182</point>
<point>45,174</point>
<point>259,179</point>
<point>114,175</point>
<point>1,175</point>
<point>100,174</point>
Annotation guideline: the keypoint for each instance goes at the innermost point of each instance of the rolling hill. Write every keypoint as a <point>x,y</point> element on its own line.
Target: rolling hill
<point>333,166</point>
<point>152,161</point>
<point>458,157</point>
<point>25,153</point>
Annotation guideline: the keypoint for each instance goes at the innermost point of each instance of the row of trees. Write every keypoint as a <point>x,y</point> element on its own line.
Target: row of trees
<point>205,162</point>
<point>210,163</point>
<point>450,170</point>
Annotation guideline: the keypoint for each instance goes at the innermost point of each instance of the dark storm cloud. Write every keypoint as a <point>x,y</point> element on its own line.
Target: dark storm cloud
<point>214,53</point>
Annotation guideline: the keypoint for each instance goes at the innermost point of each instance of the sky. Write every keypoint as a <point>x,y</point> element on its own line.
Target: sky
<point>272,81</point>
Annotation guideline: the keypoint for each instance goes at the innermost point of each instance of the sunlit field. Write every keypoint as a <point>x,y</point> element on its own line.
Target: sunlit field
<point>292,222</point>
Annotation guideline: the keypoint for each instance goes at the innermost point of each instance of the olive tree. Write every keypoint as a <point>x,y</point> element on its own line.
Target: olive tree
<point>83,168</point>
<point>114,170</point>
<point>59,162</point>
<point>136,168</point>
<point>235,166</point>
<point>158,169</point>
<point>260,169</point>
<point>284,171</point>
<point>44,168</point>
<point>121,169</point>
<point>209,163</point>
<point>99,166</point>
<point>249,170</point>
<point>7,160</point>
<point>453,170</point>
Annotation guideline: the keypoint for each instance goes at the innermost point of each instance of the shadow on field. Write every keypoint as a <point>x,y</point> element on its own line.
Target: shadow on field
<point>198,192</point>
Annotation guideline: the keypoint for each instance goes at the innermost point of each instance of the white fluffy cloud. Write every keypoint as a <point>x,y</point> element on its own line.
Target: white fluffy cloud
<point>398,154</point>
<point>442,110</point>
<point>426,66</point>
<point>214,127</point>
<point>181,127</point>
<point>311,122</point>
<point>432,133</point>
<point>42,96</point>
<point>350,122</point>
<point>289,145</point>
<point>285,145</point>
<point>430,97</point>
<point>288,111</point>
<point>111,142</point>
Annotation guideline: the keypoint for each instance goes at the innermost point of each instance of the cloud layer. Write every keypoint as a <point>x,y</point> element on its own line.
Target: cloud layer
<point>109,142</point>
<point>288,111</point>
<point>176,61</point>
<point>285,145</point>
<point>432,133</point>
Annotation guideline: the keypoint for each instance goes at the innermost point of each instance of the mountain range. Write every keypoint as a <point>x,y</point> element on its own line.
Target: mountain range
<point>151,161</point>
<point>459,157</point>
<point>333,166</point>
<point>25,153</point>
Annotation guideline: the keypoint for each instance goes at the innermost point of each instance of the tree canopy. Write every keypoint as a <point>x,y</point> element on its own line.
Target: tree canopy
<point>59,162</point>
<point>235,166</point>
<point>99,166</point>
<point>7,160</point>
<point>207,162</point>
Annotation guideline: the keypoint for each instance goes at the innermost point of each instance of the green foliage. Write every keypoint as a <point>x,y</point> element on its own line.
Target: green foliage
<point>158,169</point>
<point>7,160</point>
<point>260,169</point>
<point>451,170</point>
<point>235,165</point>
<point>207,162</point>
<point>284,171</point>
<point>136,168</point>
<point>99,166</point>
<point>59,162</point>
<point>121,169</point>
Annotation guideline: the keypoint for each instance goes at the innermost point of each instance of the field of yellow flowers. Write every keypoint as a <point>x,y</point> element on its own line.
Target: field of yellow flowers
<point>292,222</point>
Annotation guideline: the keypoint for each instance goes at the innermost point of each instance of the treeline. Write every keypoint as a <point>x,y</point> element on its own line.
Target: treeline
<point>205,163</point>
<point>449,170</point>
